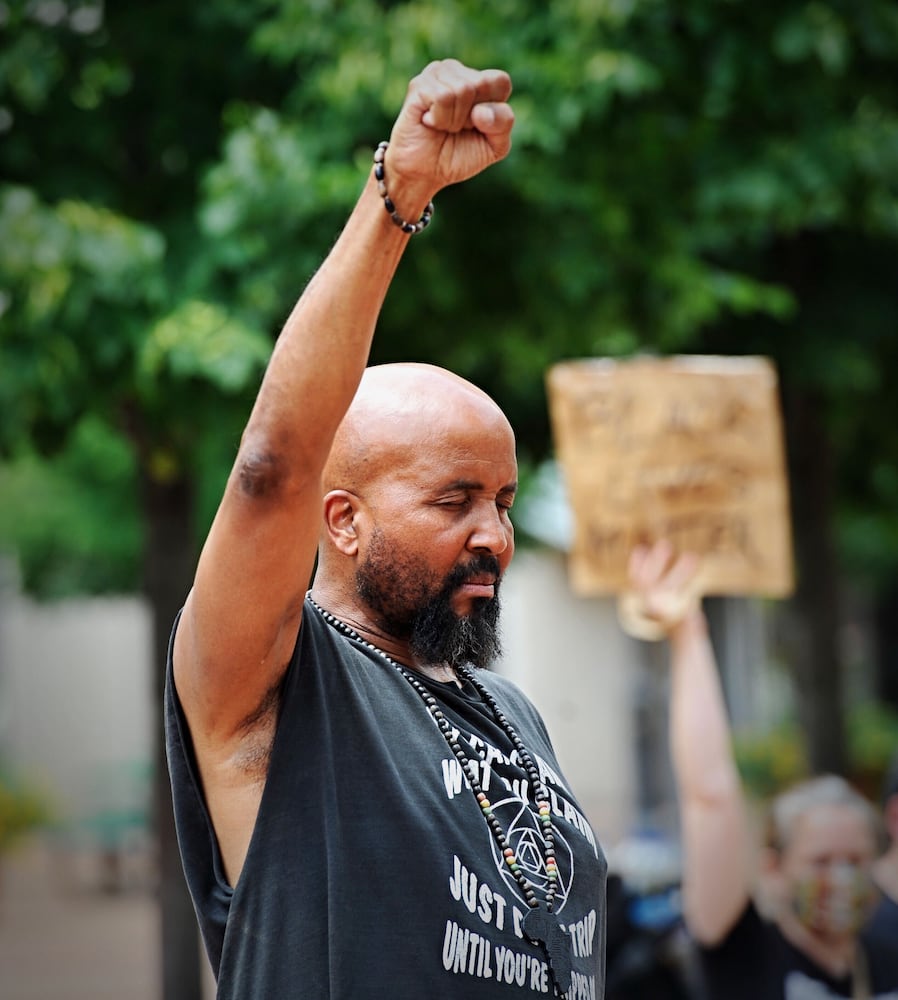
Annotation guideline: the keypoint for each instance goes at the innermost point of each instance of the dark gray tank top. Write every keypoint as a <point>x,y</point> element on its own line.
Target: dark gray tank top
<point>371,872</point>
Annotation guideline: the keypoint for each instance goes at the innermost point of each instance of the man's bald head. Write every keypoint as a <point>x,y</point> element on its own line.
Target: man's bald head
<point>397,409</point>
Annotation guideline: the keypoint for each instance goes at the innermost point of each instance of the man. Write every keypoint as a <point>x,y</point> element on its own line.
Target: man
<point>360,813</point>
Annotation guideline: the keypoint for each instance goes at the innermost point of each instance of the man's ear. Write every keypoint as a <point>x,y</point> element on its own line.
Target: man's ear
<point>340,511</point>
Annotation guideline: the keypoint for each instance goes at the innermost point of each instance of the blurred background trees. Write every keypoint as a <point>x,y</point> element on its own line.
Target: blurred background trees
<point>687,177</point>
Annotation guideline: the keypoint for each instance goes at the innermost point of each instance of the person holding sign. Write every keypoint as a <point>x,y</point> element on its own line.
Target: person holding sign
<point>822,851</point>
<point>362,813</point>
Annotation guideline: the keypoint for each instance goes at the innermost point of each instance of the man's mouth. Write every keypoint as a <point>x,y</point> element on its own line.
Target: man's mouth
<point>479,585</point>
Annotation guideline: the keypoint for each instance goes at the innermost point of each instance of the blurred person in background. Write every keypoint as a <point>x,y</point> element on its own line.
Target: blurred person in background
<point>819,874</point>
<point>884,922</point>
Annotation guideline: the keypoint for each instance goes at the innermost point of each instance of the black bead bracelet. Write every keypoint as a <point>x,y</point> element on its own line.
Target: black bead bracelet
<point>407,227</point>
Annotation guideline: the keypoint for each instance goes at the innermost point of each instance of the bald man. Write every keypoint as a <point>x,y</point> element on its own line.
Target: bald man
<point>363,812</point>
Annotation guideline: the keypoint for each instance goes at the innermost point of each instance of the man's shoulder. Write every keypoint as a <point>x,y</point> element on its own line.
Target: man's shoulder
<point>510,696</point>
<point>500,684</point>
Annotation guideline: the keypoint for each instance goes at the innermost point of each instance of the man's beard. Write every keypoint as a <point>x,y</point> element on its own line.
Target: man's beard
<point>402,595</point>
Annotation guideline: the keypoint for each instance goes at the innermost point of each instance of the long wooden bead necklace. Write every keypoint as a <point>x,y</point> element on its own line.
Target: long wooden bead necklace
<point>541,925</point>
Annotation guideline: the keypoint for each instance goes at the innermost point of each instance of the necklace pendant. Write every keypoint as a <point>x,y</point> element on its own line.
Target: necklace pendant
<point>544,929</point>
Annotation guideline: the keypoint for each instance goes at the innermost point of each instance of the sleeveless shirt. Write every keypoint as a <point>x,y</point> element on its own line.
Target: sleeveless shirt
<point>371,872</point>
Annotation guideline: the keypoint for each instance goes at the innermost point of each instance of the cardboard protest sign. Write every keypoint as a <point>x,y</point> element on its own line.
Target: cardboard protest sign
<point>685,448</point>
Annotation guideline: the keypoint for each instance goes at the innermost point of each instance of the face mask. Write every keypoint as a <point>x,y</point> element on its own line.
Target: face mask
<point>835,901</point>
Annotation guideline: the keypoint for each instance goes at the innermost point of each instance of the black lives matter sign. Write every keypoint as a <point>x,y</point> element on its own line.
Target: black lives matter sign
<point>685,448</point>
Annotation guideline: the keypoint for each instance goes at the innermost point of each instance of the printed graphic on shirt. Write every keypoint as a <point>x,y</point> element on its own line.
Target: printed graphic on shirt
<point>470,947</point>
<point>798,986</point>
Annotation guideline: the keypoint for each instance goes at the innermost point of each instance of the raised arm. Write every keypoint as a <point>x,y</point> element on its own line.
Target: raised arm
<point>241,617</point>
<point>715,835</point>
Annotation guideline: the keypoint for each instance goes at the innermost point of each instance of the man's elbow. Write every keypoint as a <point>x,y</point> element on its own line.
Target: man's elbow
<point>260,473</point>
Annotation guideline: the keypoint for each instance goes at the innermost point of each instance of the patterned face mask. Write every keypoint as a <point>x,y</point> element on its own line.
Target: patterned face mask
<point>835,901</point>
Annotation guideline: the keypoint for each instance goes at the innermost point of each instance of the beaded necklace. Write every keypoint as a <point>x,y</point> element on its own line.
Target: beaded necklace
<point>540,925</point>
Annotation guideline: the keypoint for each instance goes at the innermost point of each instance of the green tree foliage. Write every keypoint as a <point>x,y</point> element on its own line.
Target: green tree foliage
<point>705,177</point>
<point>686,177</point>
<point>75,515</point>
<point>108,135</point>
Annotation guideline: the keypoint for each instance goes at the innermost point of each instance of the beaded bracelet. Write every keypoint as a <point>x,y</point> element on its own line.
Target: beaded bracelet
<point>407,227</point>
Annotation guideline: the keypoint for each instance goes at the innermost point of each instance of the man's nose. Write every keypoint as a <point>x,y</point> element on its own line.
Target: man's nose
<point>492,532</point>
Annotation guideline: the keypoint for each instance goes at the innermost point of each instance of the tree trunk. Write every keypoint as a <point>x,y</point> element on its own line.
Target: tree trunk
<point>815,658</point>
<point>169,563</point>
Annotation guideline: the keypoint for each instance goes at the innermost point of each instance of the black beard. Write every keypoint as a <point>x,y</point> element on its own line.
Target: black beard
<point>434,632</point>
<point>439,635</point>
